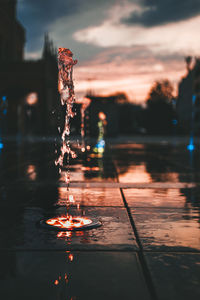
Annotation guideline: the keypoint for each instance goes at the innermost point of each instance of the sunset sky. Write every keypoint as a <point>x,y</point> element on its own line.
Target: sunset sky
<point>120,45</point>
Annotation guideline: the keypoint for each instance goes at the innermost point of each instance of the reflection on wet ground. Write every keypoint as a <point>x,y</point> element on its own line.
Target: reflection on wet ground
<point>148,199</point>
<point>160,229</point>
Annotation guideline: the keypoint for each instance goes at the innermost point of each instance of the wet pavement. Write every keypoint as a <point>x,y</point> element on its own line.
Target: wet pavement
<point>147,196</point>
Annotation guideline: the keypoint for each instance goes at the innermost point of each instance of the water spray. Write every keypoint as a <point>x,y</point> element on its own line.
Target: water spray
<point>67,222</point>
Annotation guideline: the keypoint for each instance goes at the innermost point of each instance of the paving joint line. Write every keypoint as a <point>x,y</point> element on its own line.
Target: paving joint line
<point>142,260</point>
<point>69,249</point>
<point>99,250</point>
<point>146,272</point>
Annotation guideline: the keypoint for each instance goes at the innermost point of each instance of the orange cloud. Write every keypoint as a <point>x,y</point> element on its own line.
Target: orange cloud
<point>109,72</point>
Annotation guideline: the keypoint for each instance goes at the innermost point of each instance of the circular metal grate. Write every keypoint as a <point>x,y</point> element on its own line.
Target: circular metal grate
<point>71,223</point>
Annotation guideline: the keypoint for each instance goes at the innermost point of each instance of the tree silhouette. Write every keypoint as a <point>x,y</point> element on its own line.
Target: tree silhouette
<point>188,60</point>
<point>160,113</point>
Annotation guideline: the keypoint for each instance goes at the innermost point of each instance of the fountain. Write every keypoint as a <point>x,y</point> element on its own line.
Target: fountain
<point>67,222</point>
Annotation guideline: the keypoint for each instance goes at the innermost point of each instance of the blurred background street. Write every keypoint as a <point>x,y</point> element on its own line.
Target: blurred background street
<point>134,146</point>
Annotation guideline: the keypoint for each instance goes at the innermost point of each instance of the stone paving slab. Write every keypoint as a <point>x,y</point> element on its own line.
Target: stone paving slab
<point>127,185</point>
<point>17,165</point>
<point>105,184</point>
<point>51,195</point>
<point>134,173</point>
<point>77,275</point>
<point>163,197</point>
<point>25,194</point>
<point>176,276</point>
<point>168,229</point>
<point>91,197</point>
<point>19,230</point>
<point>157,159</point>
<point>80,175</point>
<point>138,173</point>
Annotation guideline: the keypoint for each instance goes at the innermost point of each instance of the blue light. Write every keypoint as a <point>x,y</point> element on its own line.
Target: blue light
<point>190,147</point>
<point>174,122</point>
<point>193,99</point>
<point>174,101</point>
<point>4,98</point>
<point>1,146</point>
<point>5,111</point>
<point>99,147</point>
<point>100,144</point>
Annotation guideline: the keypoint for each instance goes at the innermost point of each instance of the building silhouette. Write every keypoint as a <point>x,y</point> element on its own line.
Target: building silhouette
<point>122,116</point>
<point>28,89</point>
<point>188,102</point>
<point>12,33</point>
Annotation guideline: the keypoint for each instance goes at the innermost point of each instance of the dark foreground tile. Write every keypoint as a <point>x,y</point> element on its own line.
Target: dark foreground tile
<point>24,195</point>
<point>176,276</point>
<point>19,229</point>
<point>66,276</point>
<point>168,229</point>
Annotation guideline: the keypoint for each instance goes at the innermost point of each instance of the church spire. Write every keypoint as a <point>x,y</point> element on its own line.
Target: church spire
<point>48,48</point>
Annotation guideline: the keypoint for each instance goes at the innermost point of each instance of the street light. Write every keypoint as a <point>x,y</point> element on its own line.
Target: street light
<point>191,146</point>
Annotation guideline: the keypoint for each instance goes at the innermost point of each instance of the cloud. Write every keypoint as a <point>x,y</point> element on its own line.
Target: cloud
<point>132,70</point>
<point>157,12</point>
<point>178,37</point>
<point>113,55</point>
<point>37,16</point>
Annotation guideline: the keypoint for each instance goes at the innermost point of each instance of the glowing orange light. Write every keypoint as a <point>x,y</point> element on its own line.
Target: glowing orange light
<point>79,233</point>
<point>32,98</point>
<point>68,222</point>
<point>64,234</point>
<point>66,278</point>
<point>59,234</point>
<point>71,257</point>
<point>56,282</point>
<point>90,168</point>
<point>31,172</point>
<point>102,116</point>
